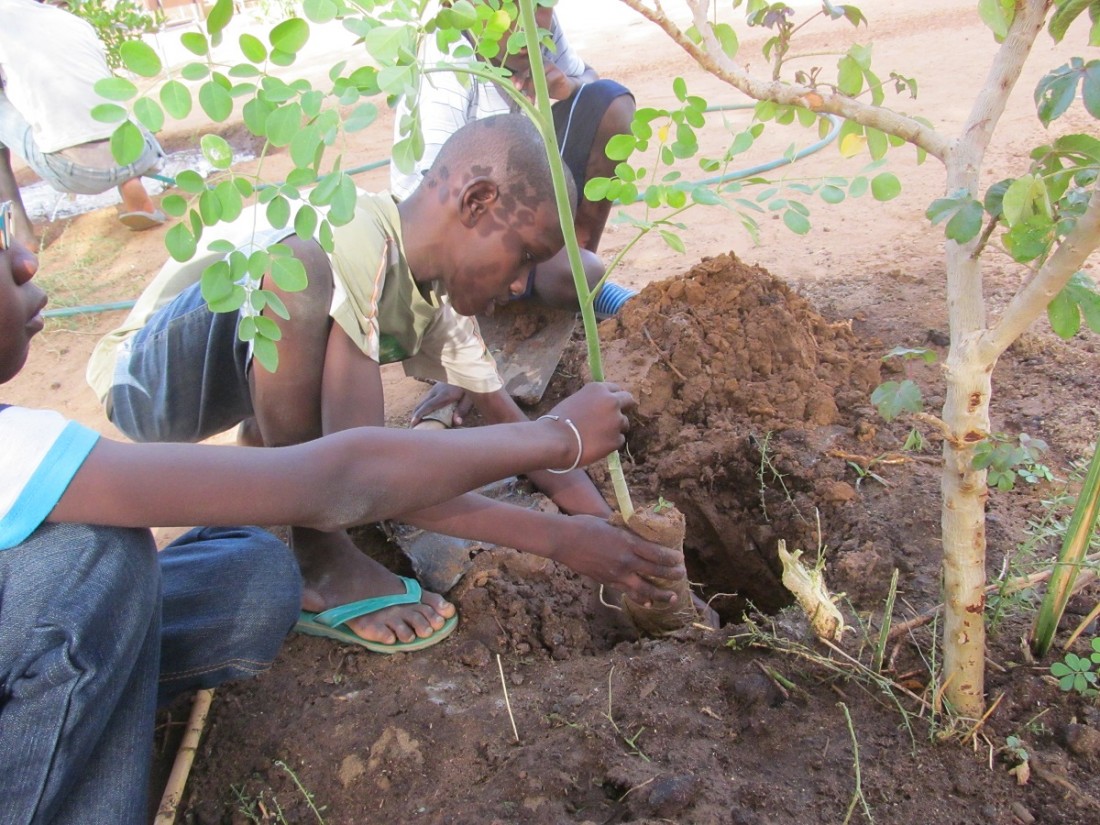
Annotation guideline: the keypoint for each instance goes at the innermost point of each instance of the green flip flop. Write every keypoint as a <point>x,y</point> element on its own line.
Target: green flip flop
<point>331,623</point>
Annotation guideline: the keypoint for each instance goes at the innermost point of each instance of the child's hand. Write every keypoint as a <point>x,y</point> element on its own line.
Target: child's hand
<point>598,410</point>
<point>559,85</point>
<point>617,558</point>
<point>438,397</point>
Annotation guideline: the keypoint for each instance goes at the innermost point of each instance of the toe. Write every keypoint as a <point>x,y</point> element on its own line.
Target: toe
<point>439,605</point>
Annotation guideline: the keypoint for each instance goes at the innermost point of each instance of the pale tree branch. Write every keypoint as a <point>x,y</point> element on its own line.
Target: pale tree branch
<point>717,63</point>
<point>966,305</point>
<point>1039,290</point>
<point>991,101</point>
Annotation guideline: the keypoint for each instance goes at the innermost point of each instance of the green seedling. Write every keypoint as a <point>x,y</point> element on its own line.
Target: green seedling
<point>866,472</point>
<point>1019,759</point>
<point>892,398</point>
<point>1005,460</point>
<point>1014,747</point>
<point>914,442</point>
<point>1078,538</point>
<point>1078,673</point>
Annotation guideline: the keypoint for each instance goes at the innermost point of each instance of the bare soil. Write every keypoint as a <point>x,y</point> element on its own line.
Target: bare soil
<point>753,366</point>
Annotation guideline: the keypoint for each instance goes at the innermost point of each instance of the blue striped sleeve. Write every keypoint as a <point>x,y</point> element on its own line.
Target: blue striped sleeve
<point>43,488</point>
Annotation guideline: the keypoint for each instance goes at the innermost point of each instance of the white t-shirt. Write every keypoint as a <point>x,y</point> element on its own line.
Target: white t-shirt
<point>50,61</point>
<point>445,104</point>
<point>42,452</point>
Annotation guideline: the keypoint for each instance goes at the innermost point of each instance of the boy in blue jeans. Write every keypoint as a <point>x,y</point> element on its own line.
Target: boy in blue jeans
<point>97,627</point>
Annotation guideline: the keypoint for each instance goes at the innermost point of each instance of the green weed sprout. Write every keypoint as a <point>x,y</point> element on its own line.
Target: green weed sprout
<point>1078,673</point>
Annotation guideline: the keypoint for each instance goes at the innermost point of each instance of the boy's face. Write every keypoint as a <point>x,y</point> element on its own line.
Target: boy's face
<point>21,305</point>
<point>518,63</point>
<point>495,256</point>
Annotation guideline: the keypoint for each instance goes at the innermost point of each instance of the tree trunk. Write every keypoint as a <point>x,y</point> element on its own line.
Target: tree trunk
<point>967,373</point>
<point>962,525</point>
<point>974,347</point>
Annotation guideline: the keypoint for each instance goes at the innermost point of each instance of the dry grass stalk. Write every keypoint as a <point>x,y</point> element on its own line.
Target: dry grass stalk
<point>507,701</point>
<point>181,768</point>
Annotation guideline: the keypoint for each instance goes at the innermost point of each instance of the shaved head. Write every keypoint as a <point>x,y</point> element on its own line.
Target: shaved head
<point>508,150</point>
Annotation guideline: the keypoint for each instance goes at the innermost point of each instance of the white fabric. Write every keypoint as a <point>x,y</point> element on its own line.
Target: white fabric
<point>42,452</point>
<point>448,101</point>
<point>50,61</point>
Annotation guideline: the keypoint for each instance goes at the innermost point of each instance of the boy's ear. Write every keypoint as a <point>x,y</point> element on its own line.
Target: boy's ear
<point>476,199</point>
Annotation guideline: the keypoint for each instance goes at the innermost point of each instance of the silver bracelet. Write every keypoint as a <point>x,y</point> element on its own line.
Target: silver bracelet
<point>580,444</point>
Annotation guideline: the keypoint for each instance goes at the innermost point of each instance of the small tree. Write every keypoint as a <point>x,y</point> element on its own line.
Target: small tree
<point>1048,220</point>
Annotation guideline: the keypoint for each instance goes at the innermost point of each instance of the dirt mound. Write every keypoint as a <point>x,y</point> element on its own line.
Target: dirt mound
<point>739,404</point>
<point>738,348</point>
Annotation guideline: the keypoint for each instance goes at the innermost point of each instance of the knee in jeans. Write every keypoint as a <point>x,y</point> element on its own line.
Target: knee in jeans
<point>109,573</point>
<point>126,556</point>
<point>264,574</point>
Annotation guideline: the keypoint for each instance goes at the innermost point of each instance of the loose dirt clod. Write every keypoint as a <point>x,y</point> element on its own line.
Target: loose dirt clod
<point>661,524</point>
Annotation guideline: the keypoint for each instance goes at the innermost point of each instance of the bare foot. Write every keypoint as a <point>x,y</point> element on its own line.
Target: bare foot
<point>335,572</point>
<point>135,198</point>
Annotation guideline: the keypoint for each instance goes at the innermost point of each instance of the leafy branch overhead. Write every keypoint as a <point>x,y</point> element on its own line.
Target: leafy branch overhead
<point>311,123</point>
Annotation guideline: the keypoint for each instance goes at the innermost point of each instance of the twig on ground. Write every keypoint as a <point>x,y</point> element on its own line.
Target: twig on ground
<point>981,722</point>
<point>181,767</point>
<point>1012,585</point>
<point>772,676</point>
<point>937,696</point>
<point>1048,775</point>
<point>866,462</point>
<point>663,355</point>
<point>1088,620</point>
<point>636,787</point>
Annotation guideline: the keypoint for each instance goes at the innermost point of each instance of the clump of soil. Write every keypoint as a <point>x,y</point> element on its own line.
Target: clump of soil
<point>742,388</point>
<point>661,524</point>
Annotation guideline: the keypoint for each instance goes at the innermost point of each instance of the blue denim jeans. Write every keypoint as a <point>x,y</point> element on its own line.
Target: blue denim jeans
<point>95,628</point>
<point>183,376</point>
<point>61,173</point>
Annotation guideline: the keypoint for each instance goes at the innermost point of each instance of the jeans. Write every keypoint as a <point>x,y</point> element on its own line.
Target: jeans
<point>96,627</point>
<point>183,376</point>
<point>61,173</point>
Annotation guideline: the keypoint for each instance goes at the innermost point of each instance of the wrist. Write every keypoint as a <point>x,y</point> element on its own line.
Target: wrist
<point>577,443</point>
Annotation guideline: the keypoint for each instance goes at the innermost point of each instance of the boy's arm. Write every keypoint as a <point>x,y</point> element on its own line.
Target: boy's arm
<point>572,492</point>
<point>588,545</point>
<point>343,479</point>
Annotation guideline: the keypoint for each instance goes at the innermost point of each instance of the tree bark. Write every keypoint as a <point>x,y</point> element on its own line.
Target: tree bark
<point>967,374</point>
